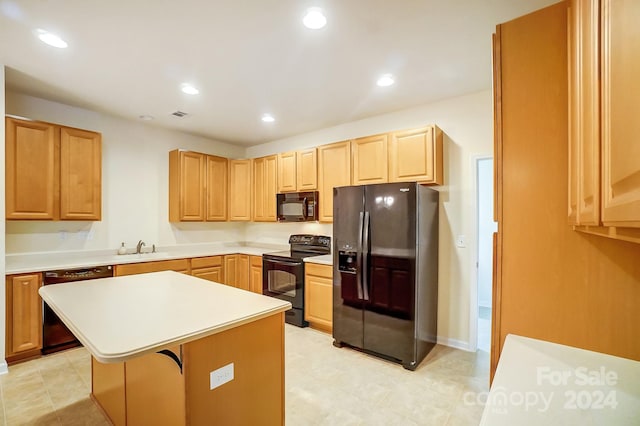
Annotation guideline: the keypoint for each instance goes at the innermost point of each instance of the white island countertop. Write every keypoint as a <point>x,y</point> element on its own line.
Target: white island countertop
<point>120,318</point>
<point>544,383</point>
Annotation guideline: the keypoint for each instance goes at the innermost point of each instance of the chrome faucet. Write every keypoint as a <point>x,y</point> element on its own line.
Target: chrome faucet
<point>139,247</point>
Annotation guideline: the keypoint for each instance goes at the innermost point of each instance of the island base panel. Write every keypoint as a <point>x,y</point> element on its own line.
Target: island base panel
<point>256,393</point>
<point>107,388</point>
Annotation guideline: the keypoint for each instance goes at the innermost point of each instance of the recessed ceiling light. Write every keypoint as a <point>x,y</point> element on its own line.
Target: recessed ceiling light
<point>51,39</point>
<point>189,89</point>
<point>385,80</point>
<point>146,117</point>
<point>314,19</point>
<point>268,118</point>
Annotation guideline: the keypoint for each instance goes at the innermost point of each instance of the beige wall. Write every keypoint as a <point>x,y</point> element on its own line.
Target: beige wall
<point>467,123</point>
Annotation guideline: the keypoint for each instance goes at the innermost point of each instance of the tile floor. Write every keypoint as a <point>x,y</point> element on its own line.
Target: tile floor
<point>325,386</point>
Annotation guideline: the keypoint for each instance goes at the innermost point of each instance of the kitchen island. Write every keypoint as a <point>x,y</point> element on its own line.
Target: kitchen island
<point>172,349</point>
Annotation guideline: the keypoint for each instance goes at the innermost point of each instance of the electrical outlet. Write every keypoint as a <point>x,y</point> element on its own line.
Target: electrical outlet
<point>220,376</point>
<point>460,241</point>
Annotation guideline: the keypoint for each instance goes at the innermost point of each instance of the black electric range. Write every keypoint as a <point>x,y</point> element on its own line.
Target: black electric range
<point>283,272</point>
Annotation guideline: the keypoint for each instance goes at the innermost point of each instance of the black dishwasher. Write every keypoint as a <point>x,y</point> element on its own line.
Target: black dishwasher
<point>55,335</point>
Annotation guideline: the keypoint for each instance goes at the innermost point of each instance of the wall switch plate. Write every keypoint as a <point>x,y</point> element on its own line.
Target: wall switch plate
<point>460,241</point>
<point>220,376</point>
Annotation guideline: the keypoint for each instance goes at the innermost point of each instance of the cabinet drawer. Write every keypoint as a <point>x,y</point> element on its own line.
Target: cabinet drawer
<point>325,271</point>
<point>206,262</point>
<point>256,260</point>
<point>178,265</point>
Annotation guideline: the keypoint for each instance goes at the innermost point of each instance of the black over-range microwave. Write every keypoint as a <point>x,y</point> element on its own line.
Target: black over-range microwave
<point>297,206</point>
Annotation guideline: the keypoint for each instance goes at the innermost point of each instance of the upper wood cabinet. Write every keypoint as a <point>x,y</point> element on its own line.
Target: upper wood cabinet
<point>24,315</point>
<point>52,172</point>
<point>369,160</point>
<point>240,190</point>
<point>197,187</point>
<point>334,170</point>
<point>584,113</point>
<point>298,171</point>
<point>307,170</point>
<point>265,188</point>
<point>620,105</point>
<point>604,155</point>
<point>416,155</point>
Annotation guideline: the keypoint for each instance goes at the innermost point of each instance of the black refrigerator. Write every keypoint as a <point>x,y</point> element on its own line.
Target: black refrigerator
<point>385,270</point>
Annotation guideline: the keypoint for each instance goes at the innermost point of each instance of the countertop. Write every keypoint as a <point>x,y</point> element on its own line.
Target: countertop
<point>539,382</point>
<point>46,261</point>
<point>120,318</point>
<point>326,259</point>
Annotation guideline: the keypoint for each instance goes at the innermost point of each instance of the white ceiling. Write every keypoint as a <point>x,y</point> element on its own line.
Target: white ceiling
<point>250,57</point>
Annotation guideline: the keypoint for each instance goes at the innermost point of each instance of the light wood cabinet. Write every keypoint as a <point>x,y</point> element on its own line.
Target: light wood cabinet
<point>416,155</point>
<point>287,163</point>
<point>197,187</point>
<point>236,270</point>
<point>52,172</point>
<point>24,316</point>
<point>265,188</point>
<point>334,170</point>
<point>240,190</point>
<point>298,171</point>
<point>178,265</point>
<point>307,170</point>
<point>620,105</point>
<point>369,160</point>
<point>209,268</point>
<point>318,295</point>
<point>604,165</point>
<point>255,274</point>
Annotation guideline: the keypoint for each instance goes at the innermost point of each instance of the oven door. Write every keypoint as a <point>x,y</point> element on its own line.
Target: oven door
<point>283,279</point>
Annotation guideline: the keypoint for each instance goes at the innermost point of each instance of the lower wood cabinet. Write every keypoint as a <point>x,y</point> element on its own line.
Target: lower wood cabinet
<point>24,316</point>
<point>209,268</point>
<point>318,296</point>
<point>255,274</point>
<point>236,270</point>
<point>178,265</point>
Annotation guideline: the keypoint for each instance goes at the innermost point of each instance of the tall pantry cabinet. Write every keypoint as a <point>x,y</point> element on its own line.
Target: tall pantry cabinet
<point>53,172</point>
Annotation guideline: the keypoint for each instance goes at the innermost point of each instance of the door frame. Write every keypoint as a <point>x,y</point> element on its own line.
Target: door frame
<point>473,288</point>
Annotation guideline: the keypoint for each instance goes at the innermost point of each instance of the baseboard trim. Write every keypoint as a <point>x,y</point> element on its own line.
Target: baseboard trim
<point>455,343</point>
<point>4,367</point>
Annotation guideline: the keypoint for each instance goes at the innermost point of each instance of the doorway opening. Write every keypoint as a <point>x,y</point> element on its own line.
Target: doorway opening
<point>485,227</point>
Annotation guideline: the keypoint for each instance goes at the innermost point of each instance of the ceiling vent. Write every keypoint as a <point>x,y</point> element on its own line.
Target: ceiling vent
<point>179,114</point>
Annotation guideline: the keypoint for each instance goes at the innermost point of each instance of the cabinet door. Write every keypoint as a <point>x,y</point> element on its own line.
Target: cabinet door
<point>264,188</point>
<point>24,313</point>
<point>319,295</point>
<point>216,188</point>
<point>334,169</point>
<point>80,174</point>
<point>255,276</point>
<point>243,272</point>
<point>231,270</point>
<point>584,114</point>
<point>369,157</point>
<point>287,171</point>
<point>620,106</point>
<point>416,155</point>
<point>31,175</point>
<point>186,186</point>
<point>307,170</point>
<point>240,190</point>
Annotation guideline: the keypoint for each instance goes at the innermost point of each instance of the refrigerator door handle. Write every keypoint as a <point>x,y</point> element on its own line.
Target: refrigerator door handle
<point>359,257</point>
<point>365,256</point>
